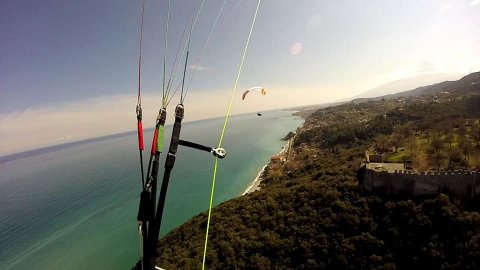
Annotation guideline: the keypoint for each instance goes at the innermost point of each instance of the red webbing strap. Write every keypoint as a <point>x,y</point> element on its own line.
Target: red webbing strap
<point>141,145</point>
<point>154,146</point>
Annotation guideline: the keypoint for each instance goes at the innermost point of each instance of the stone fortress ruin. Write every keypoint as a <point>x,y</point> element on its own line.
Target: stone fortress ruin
<point>377,177</point>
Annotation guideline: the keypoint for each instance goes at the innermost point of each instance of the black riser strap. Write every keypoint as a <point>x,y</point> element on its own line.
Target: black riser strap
<point>195,146</point>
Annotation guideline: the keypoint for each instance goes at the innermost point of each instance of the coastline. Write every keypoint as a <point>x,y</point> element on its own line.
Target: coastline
<point>256,182</point>
<point>255,185</point>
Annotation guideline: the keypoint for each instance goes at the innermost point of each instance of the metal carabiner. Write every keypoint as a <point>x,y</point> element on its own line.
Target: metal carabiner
<point>219,152</point>
<point>138,109</point>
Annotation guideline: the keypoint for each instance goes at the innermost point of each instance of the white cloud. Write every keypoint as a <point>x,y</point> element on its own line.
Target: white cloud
<point>474,2</point>
<point>61,123</point>
<point>197,67</point>
<point>447,7</point>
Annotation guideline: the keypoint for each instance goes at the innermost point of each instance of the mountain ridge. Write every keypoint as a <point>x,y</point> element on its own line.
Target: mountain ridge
<point>400,85</point>
<point>464,84</point>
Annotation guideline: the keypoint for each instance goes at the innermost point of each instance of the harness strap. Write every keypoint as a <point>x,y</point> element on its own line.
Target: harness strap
<point>169,163</point>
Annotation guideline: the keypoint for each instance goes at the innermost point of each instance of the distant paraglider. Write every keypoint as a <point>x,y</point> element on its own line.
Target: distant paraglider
<point>258,89</point>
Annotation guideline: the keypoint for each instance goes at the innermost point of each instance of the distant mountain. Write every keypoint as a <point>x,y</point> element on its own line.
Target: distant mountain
<point>408,83</point>
<point>468,83</point>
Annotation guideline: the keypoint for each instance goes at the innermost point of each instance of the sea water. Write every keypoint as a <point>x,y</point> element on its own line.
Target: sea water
<point>75,206</point>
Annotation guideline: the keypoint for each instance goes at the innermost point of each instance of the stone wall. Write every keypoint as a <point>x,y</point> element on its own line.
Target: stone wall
<point>388,167</point>
<point>465,185</point>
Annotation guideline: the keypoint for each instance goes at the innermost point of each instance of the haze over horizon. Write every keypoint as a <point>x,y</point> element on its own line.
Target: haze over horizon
<point>69,69</point>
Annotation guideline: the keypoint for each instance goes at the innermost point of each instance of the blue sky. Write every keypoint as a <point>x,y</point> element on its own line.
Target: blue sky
<point>65,59</point>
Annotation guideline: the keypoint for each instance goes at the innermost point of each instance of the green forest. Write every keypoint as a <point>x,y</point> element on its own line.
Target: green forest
<point>309,213</point>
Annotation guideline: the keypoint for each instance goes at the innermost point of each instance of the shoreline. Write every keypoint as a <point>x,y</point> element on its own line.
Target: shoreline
<point>255,185</point>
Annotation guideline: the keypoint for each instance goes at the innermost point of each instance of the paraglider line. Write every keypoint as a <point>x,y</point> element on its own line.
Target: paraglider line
<point>184,49</point>
<point>197,60</point>
<point>178,49</point>
<point>223,133</point>
<point>165,55</point>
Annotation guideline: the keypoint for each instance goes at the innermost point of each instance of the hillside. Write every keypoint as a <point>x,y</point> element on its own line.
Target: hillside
<point>309,213</point>
<point>467,84</point>
<point>407,83</point>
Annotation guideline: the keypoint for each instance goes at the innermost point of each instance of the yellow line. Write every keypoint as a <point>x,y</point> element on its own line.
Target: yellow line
<point>223,133</point>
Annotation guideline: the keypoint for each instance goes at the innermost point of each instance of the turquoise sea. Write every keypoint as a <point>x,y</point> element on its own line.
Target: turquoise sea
<point>74,206</point>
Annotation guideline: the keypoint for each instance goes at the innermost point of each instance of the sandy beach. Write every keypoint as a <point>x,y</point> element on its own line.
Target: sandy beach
<point>258,180</point>
<point>256,183</point>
